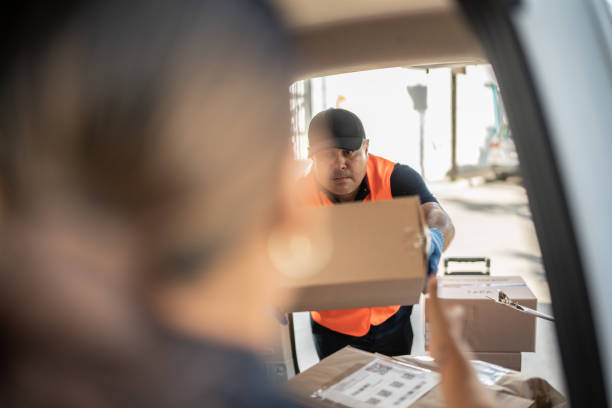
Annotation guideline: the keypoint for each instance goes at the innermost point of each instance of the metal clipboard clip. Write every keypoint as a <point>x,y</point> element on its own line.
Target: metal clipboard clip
<point>505,300</point>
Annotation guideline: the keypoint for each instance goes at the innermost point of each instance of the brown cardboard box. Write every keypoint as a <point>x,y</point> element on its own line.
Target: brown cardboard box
<point>491,327</point>
<point>348,360</point>
<point>507,360</point>
<point>377,258</point>
<point>514,383</point>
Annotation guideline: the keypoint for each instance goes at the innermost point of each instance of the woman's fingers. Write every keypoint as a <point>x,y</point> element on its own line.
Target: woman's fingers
<point>445,326</point>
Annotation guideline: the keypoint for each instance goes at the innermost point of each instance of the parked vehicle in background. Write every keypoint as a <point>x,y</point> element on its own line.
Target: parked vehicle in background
<point>503,159</point>
<point>501,154</point>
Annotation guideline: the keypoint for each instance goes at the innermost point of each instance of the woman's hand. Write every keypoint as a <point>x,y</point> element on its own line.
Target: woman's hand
<point>460,386</point>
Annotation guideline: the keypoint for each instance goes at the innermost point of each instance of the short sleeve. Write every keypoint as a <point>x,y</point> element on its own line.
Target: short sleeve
<point>406,181</point>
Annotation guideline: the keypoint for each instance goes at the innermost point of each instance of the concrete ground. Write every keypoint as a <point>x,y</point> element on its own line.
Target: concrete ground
<point>492,219</point>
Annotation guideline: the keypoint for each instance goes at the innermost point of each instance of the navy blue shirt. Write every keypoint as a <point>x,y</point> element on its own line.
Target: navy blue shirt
<point>406,181</point>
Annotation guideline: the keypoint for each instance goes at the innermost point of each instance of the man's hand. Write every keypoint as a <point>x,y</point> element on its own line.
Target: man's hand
<point>436,217</point>
<point>434,251</point>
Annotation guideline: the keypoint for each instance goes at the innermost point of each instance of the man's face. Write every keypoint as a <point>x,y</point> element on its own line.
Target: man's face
<point>340,171</point>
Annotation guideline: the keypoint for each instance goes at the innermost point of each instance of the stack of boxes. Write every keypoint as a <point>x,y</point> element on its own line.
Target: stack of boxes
<point>376,258</point>
<point>495,333</point>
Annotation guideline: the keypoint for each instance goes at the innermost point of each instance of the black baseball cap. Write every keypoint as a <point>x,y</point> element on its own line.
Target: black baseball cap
<point>335,128</point>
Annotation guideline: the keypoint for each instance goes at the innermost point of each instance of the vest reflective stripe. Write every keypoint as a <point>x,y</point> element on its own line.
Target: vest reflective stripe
<point>354,322</point>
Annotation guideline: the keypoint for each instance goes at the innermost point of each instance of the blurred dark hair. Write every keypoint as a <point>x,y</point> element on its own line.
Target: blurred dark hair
<point>130,109</point>
<point>89,92</point>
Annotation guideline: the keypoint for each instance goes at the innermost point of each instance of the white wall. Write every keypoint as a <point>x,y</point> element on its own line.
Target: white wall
<point>380,99</point>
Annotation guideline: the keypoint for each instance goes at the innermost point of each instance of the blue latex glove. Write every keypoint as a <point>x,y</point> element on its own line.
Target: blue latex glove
<point>435,250</point>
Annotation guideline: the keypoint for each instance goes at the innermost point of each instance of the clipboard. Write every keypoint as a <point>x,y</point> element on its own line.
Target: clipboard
<point>505,300</point>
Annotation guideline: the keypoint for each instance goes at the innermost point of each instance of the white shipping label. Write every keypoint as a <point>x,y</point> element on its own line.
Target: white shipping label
<point>382,383</point>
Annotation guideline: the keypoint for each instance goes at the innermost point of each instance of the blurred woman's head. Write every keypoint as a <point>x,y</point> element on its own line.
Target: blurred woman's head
<point>142,156</point>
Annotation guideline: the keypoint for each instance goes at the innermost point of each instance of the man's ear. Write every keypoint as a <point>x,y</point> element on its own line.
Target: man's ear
<point>366,145</point>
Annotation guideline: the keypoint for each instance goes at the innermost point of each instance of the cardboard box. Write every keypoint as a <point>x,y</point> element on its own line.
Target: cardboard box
<point>508,360</point>
<point>377,258</point>
<point>502,380</point>
<point>512,389</point>
<point>491,327</point>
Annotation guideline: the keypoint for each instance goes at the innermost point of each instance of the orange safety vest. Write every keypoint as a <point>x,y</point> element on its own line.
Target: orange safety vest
<point>354,322</point>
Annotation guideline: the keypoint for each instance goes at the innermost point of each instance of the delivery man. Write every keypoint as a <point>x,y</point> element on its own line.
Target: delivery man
<point>343,171</point>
